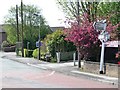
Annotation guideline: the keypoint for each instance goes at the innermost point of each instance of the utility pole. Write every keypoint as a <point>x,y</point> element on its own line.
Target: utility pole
<point>78,20</point>
<point>22,27</point>
<point>17,23</point>
<point>39,40</point>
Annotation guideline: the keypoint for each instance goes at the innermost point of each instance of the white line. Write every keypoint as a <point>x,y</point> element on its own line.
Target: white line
<point>42,68</point>
<point>36,66</point>
<point>51,73</point>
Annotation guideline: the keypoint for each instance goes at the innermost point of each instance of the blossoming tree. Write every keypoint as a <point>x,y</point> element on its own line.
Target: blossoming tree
<point>85,37</point>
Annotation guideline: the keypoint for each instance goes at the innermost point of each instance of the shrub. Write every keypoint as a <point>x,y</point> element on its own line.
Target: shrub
<point>30,52</point>
<point>7,47</point>
<point>35,53</point>
<point>5,44</point>
<point>53,60</point>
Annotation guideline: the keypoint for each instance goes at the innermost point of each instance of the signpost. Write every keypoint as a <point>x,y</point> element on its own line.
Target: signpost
<point>104,36</point>
<point>37,44</point>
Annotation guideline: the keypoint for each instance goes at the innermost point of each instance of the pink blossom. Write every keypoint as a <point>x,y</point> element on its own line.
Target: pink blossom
<point>84,35</point>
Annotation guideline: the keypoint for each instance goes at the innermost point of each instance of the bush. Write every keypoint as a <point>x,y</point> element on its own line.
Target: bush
<point>53,60</point>
<point>5,44</point>
<point>7,47</point>
<point>25,52</point>
<point>35,53</point>
<point>30,52</point>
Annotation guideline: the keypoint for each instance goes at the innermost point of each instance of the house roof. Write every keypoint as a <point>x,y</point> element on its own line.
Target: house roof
<point>112,43</point>
<point>56,28</point>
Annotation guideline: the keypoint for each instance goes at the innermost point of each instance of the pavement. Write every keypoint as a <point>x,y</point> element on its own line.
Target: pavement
<point>67,68</point>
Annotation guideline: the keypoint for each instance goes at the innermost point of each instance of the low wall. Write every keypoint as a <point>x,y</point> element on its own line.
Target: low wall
<point>9,49</point>
<point>93,67</point>
<point>64,56</point>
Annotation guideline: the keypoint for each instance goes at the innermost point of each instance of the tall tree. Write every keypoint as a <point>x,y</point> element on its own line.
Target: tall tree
<point>31,24</point>
<point>110,11</point>
<point>71,11</point>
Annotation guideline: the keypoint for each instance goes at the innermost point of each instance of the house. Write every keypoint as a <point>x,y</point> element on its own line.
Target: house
<point>53,29</point>
<point>110,51</point>
<point>3,35</point>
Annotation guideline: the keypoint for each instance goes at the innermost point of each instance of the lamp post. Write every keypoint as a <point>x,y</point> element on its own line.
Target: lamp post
<point>104,36</point>
<point>22,28</point>
<point>38,16</point>
<point>17,23</point>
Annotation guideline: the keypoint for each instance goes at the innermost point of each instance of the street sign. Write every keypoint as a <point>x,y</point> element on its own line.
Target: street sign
<point>37,44</point>
<point>101,25</point>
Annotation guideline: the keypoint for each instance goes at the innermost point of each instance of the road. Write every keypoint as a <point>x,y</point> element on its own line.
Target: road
<point>18,75</point>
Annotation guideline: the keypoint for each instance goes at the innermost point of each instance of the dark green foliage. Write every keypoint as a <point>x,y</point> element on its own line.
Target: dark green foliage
<point>30,52</point>
<point>56,43</point>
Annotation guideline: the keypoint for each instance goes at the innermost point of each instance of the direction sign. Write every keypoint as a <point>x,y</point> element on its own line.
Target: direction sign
<point>37,44</point>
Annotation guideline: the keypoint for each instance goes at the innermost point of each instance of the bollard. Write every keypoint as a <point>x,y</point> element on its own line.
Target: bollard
<point>58,57</point>
<point>74,57</point>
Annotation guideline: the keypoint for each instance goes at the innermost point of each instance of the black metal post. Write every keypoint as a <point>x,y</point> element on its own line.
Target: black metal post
<point>38,17</point>
<point>22,27</point>
<point>17,23</point>
<point>39,44</point>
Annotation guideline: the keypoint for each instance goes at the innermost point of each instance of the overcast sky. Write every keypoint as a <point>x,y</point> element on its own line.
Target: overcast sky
<point>49,10</point>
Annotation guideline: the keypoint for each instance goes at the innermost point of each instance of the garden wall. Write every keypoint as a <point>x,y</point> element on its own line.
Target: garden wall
<point>9,49</point>
<point>66,56</point>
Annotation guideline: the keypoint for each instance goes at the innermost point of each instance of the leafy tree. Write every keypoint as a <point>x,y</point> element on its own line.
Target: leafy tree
<point>32,24</point>
<point>56,43</point>
<point>94,10</point>
<point>71,8</point>
<point>111,11</point>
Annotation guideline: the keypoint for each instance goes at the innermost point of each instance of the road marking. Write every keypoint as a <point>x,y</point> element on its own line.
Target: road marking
<point>51,73</point>
<point>42,68</point>
<point>36,66</point>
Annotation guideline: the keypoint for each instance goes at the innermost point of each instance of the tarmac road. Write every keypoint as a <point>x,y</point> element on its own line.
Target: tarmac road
<point>18,75</point>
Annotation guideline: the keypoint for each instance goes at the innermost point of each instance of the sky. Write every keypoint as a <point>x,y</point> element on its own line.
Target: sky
<point>53,15</point>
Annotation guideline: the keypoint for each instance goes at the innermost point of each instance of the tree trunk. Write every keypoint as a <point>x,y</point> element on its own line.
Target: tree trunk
<point>79,59</point>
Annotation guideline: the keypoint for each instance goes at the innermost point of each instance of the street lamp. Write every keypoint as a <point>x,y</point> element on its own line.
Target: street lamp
<point>38,16</point>
<point>104,36</point>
